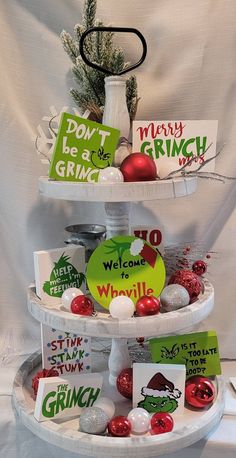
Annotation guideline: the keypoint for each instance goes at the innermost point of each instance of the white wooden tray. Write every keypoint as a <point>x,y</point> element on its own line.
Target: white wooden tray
<point>103,325</point>
<point>189,428</point>
<point>118,192</point>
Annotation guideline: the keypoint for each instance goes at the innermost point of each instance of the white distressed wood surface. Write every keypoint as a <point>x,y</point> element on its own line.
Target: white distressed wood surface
<point>118,192</point>
<point>103,325</point>
<point>189,428</point>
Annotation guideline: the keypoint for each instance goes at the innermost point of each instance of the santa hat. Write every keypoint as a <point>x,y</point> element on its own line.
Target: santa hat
<point>159,386</point>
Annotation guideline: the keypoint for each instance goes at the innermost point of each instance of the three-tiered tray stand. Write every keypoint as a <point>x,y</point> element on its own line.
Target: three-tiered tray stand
<point>190,427</point>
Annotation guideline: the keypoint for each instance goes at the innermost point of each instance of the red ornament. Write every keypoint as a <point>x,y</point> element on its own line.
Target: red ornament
<point>138,167</point>
<point>119,426</point>
<point>124,383</point>
<point>189,280</point>
<point>199,392</point>
<point>199,267</point>
<point>161,422</point>
<point>82,305</point>
<point>147,305</point>
<point>42,374</point>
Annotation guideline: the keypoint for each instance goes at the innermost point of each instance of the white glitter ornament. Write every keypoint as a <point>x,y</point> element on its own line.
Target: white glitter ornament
<point>93,420</point>
<point>69,295</point>
<point>110,175</point>
<point>121,307</point>
<point>107,405</point>
<point>174,297</point>
<point>140,420</point>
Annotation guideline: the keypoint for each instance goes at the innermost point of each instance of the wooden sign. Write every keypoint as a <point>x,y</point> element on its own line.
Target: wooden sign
<point>198,351</point>
<point>66,396</point>
<point>177,142</point>
<point>82,149</point>
<point>159,387</point>
<point>125,265</point>
<point>151,234</point>
<point>65,351</point>
<point>57,270</point>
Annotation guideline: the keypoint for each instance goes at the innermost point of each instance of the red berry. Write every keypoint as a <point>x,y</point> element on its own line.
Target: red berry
<point>82,305</point>
<point>199,267</point>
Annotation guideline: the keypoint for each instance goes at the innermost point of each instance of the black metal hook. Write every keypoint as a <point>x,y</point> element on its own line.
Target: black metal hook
<point>112,29</point>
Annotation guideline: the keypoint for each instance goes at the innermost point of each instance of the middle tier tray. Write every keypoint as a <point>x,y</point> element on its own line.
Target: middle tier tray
<point>103,325</point>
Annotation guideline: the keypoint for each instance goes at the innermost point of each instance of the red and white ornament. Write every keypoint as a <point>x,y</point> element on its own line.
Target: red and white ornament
<point>138,167</point>
<point>68,295</point>
<point>82,305</point>
<point>119,426</point>
<point>161,422</point>
<point>124,383</point>
<point>199,267</point>
<point>147,305</point>
<point>189,280</point>
<point>199,392</point>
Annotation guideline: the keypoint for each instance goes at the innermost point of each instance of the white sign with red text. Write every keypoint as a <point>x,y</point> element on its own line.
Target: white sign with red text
<point>66,352</point>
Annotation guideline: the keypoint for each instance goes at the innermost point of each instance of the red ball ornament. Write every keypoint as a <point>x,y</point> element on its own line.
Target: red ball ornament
<point>119,426</point>
<point>161,422</point>
<point>124,383</point>
<point>82,305</point>
<point>199,392</point>
<point>138,167</point>
<point>147,305</point>
<point>199,267</point>
<point>42,374</point>
<point>189,280</point>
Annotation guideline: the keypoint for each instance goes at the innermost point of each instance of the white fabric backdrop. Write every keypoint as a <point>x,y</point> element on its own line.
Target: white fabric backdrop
<point>189,74</point>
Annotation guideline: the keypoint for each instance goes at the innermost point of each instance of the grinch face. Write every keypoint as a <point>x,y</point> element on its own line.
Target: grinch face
<point>158,404</point>
<point>100,159</point>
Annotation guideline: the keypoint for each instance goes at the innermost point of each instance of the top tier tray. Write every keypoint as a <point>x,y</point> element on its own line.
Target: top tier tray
<point>118,192</point>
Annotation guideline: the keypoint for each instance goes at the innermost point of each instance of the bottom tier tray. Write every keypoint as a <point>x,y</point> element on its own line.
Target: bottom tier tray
<point>189,428</point>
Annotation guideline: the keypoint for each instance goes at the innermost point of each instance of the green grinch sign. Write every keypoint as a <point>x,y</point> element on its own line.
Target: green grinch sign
<point>83,147</point>
<point>125,265</point>
<point>199,351</point>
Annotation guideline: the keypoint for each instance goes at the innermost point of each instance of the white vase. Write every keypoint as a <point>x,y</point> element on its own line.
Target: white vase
<point>115,111</point>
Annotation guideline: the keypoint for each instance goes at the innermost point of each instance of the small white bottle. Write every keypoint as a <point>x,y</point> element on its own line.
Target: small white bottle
<point>115,111</point>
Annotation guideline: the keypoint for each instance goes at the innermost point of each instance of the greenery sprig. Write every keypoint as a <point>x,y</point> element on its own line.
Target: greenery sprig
<point>100,48</point>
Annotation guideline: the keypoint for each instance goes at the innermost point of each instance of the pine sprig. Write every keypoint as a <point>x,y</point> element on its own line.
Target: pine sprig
<point>70,46</point>
<point>90,7</point>
<point>99,48</point>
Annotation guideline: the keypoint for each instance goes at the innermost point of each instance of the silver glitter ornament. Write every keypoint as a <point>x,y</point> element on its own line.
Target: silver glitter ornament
<point>174,297</point>
<point>93,420</point>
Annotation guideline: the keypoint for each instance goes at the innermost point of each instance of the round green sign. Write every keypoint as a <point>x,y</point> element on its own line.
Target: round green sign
<point>125,265</point>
